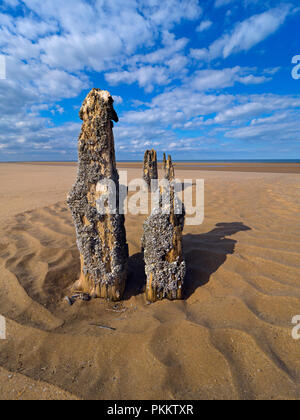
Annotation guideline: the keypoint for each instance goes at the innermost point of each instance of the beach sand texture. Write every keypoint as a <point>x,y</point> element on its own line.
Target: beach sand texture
<point>231,338</point>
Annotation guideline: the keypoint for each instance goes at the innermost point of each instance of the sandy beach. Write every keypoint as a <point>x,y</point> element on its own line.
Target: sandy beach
<point>231,338</point>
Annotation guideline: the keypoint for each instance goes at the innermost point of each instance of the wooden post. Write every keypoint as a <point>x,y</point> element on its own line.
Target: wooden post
<point>162,245</point>
<point>150,167</point>
<point>164,162</point>
<point>169,169</point>
<point>101,238</point>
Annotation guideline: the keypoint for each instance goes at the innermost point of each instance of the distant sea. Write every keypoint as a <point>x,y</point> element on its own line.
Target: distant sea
<point>181,161</point>
<point>229,161</point>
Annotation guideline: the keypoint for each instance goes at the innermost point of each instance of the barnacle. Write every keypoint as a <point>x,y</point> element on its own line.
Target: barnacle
<point>101,239</point>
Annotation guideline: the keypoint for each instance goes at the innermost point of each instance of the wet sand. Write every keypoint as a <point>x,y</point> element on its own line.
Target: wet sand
<point>230,338</point>
<point>269,167</point>
<point>288,168</point>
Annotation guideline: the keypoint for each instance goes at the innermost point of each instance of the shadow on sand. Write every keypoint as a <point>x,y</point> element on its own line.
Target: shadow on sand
<point>204,254</point>
<point>136,280</point>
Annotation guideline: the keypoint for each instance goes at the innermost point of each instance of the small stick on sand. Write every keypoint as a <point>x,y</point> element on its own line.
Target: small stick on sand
<point>116,310</point>
<point>104,327</point>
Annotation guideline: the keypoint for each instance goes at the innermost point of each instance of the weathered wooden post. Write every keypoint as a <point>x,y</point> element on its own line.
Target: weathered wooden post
<point>164,162</point>
<point>150,167</point>
<point>101,237</point>
<point>162,245</point>
<point>169,169</point>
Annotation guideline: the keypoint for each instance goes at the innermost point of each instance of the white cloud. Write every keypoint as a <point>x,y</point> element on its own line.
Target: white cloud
<point>53,44</point>
<point>220,3</point>
<point>245,35</point>
<point>177,64</point>
<point>269,132</point>
<point>199,54</point>
<point>273,119</point>
<point>243,3</point>
<point>201,80</point>
<point>215,79</point>
<point>243,111</point>
<point>146,77</point>
<point>31,29</point>
<point>99,36</point>
<point>205,80</point>
<point>257,105</point>
<point>118,99</point>
<point>254,80</point>
<point>11,3</point>
<point>171,46</point>
<point>50,46</point>
<point>237,117</point>
<point>43,82</point>
<point>172,11</point>
<point>206,24</point>
<point>254,30</point>
<point>156,68</point>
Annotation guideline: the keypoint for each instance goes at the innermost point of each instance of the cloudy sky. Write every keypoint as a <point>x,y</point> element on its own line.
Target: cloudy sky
<point>201,79</point>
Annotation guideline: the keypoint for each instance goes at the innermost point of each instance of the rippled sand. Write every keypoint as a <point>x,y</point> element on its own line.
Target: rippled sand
<point>231,337</point>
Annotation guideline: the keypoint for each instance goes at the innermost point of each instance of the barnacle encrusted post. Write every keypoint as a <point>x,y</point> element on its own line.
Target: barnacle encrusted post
<point>169,172</point>
<point>101,236</point>
<point>164,162</point>
<point>150,167</point>
<point>162,246</point>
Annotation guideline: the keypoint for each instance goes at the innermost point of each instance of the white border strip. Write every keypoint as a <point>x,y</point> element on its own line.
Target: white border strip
<point>2,328</point>
<point>2,67</point>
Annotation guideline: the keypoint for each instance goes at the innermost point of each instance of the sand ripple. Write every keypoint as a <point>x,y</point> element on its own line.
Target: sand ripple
<point>230,338</point>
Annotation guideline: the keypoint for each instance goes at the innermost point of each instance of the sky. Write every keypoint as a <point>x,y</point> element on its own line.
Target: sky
<point>201,80</point>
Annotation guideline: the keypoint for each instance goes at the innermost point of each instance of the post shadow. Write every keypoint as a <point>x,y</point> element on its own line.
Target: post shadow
<point>203,253</point>
<point>136,279</point>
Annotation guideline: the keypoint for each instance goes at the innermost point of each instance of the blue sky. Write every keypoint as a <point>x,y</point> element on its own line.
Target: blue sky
<point>197,79</point>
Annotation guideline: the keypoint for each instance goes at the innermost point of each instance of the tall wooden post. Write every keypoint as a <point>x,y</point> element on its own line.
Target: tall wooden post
<point>101,238</point>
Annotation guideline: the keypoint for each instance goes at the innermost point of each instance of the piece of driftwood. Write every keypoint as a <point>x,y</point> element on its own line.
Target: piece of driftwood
<point>162,246</point>
<point>105,327</point>
<point>77,296</point>
<point>101,237</point>
<point>150,171</point>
